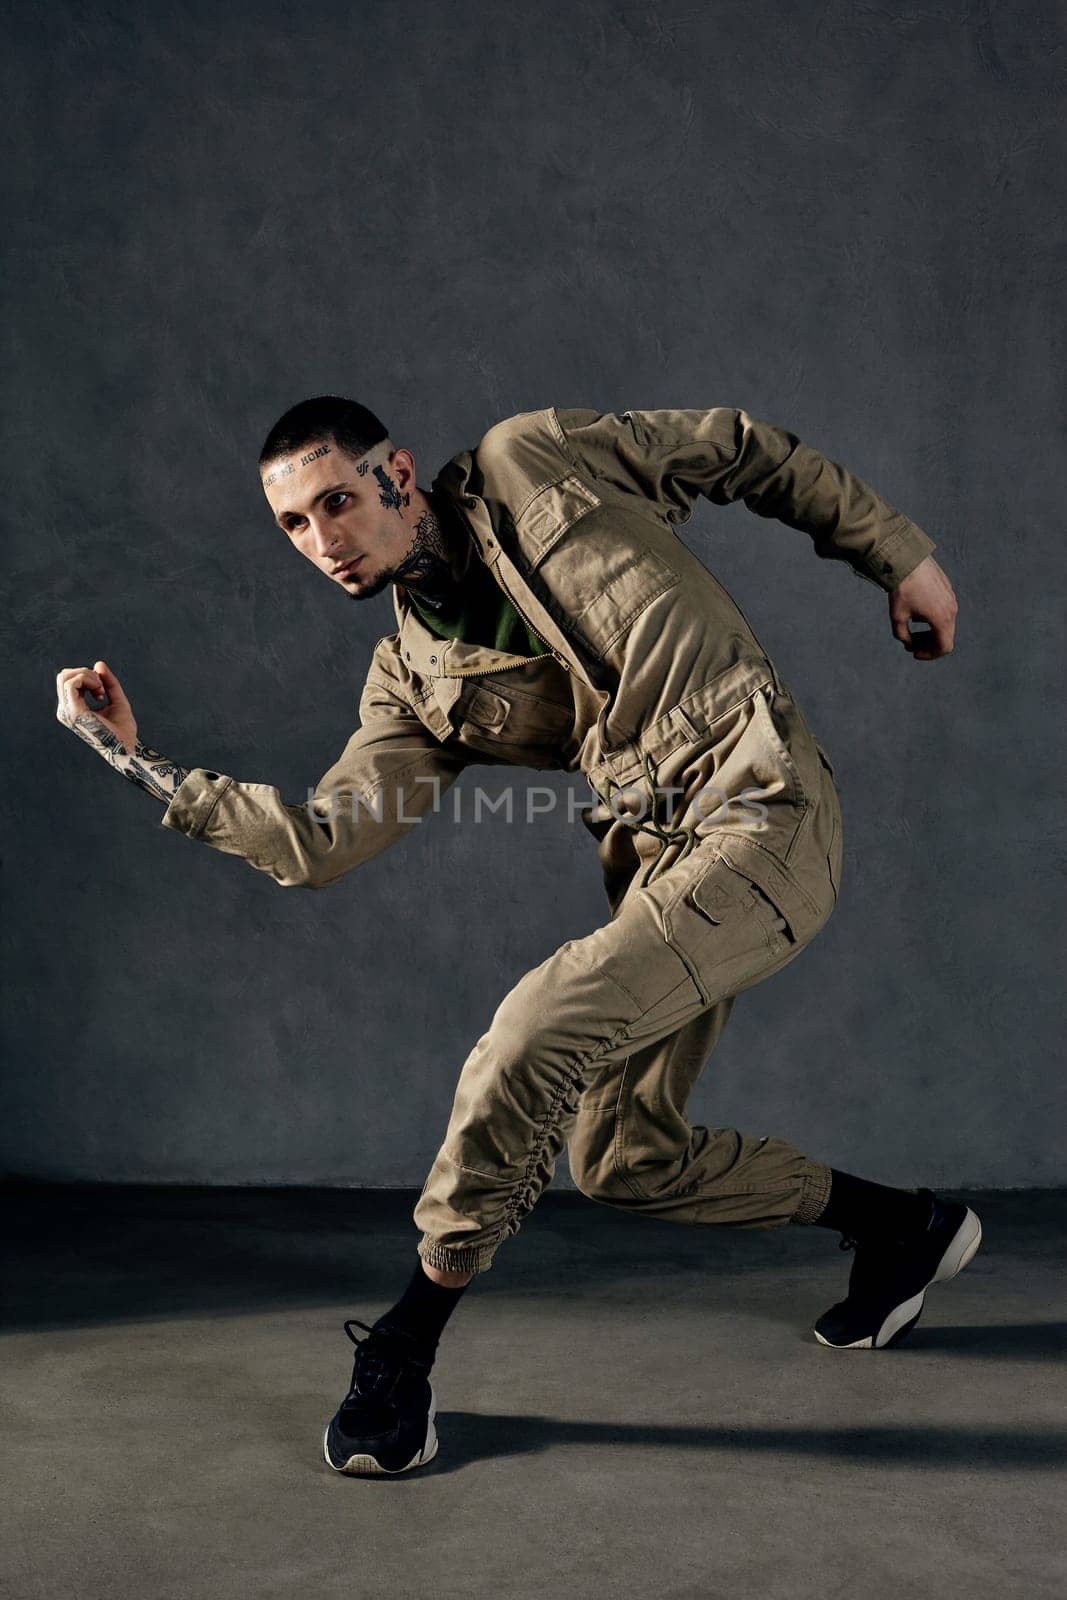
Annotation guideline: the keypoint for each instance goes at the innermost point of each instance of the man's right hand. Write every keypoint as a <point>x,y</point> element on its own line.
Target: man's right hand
<point>112,729</point>
<point>112,732</point>
<point>925,595</point>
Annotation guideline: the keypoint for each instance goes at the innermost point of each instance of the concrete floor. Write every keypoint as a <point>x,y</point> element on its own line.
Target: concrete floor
<point>627,1408</point>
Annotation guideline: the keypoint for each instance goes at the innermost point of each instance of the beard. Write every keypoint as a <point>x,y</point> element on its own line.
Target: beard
<point>369,587</point>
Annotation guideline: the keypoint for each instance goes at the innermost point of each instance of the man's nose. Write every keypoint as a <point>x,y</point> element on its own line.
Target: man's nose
<point>322,539</point>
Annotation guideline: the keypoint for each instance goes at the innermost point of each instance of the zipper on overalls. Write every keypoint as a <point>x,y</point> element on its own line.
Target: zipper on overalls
<point>485,672</point>
<point>542,638</point>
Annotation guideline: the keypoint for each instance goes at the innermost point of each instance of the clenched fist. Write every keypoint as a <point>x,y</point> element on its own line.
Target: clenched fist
<point>925,595</point>
<point>112,731</point>
<point>112,728</point>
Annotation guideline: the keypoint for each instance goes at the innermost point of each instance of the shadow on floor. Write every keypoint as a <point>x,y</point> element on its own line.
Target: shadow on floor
<point>80,1254</point>
<point>1023,1341</point>
<point>472,1438</point>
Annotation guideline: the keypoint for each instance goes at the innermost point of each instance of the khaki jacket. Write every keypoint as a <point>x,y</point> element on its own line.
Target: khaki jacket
<point>655,685</point>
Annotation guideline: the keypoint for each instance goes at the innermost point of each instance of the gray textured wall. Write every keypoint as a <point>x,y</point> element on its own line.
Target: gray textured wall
<point>844,219</point>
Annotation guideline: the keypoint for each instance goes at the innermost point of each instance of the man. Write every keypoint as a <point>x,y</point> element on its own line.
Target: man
<point>549,616</point>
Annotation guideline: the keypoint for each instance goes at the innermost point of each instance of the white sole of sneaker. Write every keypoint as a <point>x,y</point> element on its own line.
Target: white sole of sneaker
<point>368,1467</point>
<point>902,1318</point>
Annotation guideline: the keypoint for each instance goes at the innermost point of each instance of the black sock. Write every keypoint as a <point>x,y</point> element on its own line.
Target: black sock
<point>422,1310</point>
<point>861,1209</point>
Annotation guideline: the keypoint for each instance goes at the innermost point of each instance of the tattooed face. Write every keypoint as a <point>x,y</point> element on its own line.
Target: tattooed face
<point>359,520</point>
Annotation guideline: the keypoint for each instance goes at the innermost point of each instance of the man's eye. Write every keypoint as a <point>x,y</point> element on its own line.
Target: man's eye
<point>337,498</point>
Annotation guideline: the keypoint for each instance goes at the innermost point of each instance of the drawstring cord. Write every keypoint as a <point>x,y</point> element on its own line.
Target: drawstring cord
<point>666,835</point>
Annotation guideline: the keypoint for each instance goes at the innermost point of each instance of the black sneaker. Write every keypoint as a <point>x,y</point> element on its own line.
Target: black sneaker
<point>890,1277</point>
<point>385,1421</point>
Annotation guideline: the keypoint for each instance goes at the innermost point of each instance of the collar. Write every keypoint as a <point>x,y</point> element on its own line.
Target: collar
<point>453,484</point>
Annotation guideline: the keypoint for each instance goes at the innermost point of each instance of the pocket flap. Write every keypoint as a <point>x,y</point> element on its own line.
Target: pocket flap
<point>775,880</point>
<point>487,709</point>
<point>551,512</point>
<point>720,891</point>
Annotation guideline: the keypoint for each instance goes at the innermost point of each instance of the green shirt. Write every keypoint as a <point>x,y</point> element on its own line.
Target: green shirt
<point>481,613</point>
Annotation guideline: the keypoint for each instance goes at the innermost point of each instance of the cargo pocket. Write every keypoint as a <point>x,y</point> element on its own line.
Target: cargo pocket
<point>727,929</point>
<point>712,893</point>
<point>778,887</point>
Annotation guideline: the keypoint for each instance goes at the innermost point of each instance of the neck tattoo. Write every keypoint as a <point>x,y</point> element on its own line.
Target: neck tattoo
<point>427,568</point>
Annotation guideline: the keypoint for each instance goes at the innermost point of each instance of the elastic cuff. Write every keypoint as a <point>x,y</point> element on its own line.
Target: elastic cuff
<point>814,1194</point>
<point>473,1259</point>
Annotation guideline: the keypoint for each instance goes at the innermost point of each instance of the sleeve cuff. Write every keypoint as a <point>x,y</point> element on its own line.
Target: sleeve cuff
<point>899,553</point>
<point>195,800</point>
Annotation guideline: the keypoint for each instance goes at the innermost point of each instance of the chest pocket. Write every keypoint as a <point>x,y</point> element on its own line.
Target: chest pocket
<point>594,561</point>
<point>516,726</point>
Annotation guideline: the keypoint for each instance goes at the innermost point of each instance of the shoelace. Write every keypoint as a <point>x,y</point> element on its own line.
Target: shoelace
<point>379,1360</point>
<point>667,835</point>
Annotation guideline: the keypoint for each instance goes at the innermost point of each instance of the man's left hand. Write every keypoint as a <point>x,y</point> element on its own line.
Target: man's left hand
<point>925,595</point>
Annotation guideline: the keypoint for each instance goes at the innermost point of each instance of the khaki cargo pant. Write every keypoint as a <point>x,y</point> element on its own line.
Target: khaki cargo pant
<point>599,1048</point>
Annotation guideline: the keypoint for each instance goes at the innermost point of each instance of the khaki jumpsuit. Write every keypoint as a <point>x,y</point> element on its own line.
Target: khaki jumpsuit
<point>712,804</point>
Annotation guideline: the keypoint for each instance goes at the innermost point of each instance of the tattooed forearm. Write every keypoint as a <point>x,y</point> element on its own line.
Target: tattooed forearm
<point>92,730</point>
<point>155,773</point>
<point>149,770</point>
<point>163,781</point>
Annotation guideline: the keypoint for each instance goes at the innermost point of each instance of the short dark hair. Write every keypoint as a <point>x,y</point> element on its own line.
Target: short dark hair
<point>347,424</point>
